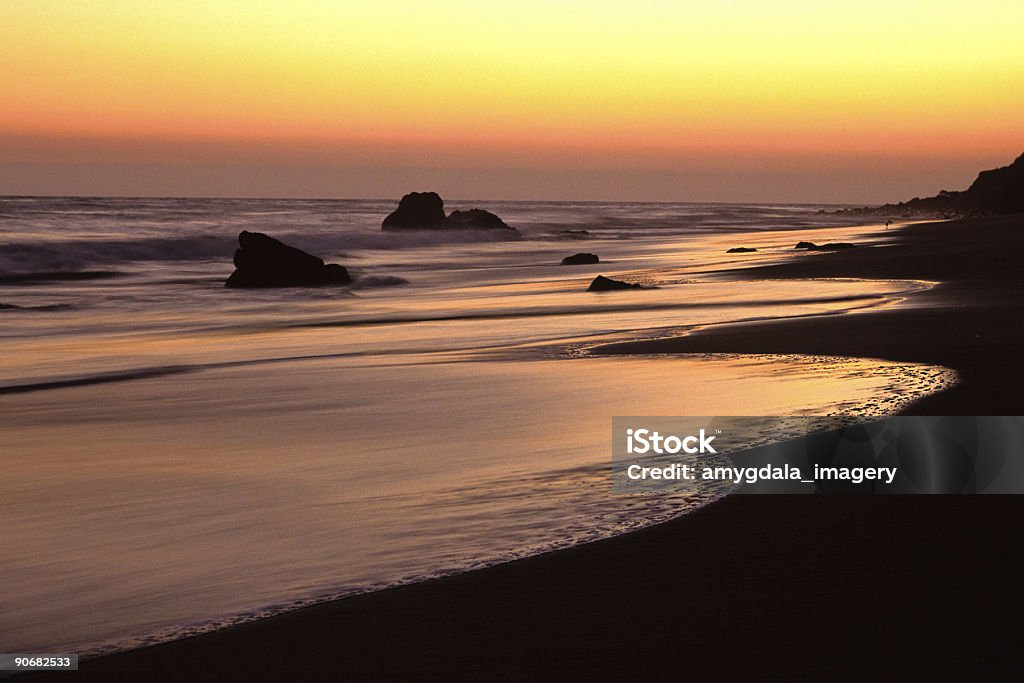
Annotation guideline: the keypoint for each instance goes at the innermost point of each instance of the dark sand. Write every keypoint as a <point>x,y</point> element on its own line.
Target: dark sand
<point>753,587</point>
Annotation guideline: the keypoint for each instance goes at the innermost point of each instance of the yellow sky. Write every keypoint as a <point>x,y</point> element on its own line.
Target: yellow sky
<point>636,84</point>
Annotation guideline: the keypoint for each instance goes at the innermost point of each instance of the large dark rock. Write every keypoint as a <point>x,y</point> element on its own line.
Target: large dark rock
<point>606,284</point>
<point>475,219</point>
<point>416,210</point>
<point>580,260</point>
<point>740,250</point>
<point>806,245</point>
<point>262,261</point>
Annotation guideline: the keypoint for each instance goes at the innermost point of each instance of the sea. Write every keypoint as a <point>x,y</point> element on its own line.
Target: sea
<point>178,456</point>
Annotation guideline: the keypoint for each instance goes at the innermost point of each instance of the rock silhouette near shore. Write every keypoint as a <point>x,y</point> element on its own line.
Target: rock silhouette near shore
<point>606,284</point>
<point>831,246</point>
<point>475,219</point>
<point>425,211</point>
<point>262,261</point>
<point>580,260</point>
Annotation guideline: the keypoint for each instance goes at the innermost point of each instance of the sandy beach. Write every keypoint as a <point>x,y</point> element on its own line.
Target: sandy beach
<point>752,587</point>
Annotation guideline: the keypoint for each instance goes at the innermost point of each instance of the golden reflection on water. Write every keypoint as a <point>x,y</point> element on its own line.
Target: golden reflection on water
<point>189,498</point>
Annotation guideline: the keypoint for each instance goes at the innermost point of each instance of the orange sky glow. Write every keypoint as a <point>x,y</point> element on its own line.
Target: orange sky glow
<point>691,101</point>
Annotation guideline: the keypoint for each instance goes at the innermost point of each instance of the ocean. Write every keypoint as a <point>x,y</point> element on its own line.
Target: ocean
<point>179,456</point>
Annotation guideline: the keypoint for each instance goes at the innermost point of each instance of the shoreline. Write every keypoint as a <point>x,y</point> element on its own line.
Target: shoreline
<point>967,322</point>
<point>747,587</point>
<point>689,587</point>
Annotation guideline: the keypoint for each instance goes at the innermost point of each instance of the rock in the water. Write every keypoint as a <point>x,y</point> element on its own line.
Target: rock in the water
<point>606,284</point>
<point>262,261</point>
<point>580,260</point>
<point>832,246</point>
<point>425,210</point>
<point>416,210</point>
<point>740,250</point>
<point>475,219</point>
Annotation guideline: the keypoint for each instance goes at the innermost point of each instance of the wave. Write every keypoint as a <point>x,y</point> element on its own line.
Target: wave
<point>859,301</point>
<point>368,281</point>
<point>69,255</point>
<point>77,233</point>
<point>593,521</point>
<point>157,371</point>
<point>47,308</point>
<point>66,256</point>
<point>104,378</point>
<point>57,276</point>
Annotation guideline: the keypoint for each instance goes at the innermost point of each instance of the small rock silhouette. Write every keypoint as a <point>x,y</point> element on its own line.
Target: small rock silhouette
<point>580,260</point>
<point>606,284</point>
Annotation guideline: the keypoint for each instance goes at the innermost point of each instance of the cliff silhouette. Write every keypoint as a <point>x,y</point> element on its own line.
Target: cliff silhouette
<point>996,191</point>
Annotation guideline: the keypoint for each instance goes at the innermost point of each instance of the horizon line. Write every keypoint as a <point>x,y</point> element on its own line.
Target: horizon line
<point>455,199</point>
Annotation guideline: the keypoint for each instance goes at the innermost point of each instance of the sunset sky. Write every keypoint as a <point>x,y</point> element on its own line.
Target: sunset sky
<point>740,100</point>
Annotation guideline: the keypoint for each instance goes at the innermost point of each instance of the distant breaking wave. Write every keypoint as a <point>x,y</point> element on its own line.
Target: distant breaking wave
<point>18,259</point>
<point>84,233</point>
<point>53,256</point>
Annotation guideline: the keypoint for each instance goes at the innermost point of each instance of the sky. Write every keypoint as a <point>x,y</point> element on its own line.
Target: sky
<point>682,100</point>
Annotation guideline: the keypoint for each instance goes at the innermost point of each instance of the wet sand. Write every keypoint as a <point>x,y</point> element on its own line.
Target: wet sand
<point>752,587</point>
<point>970,322</point>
